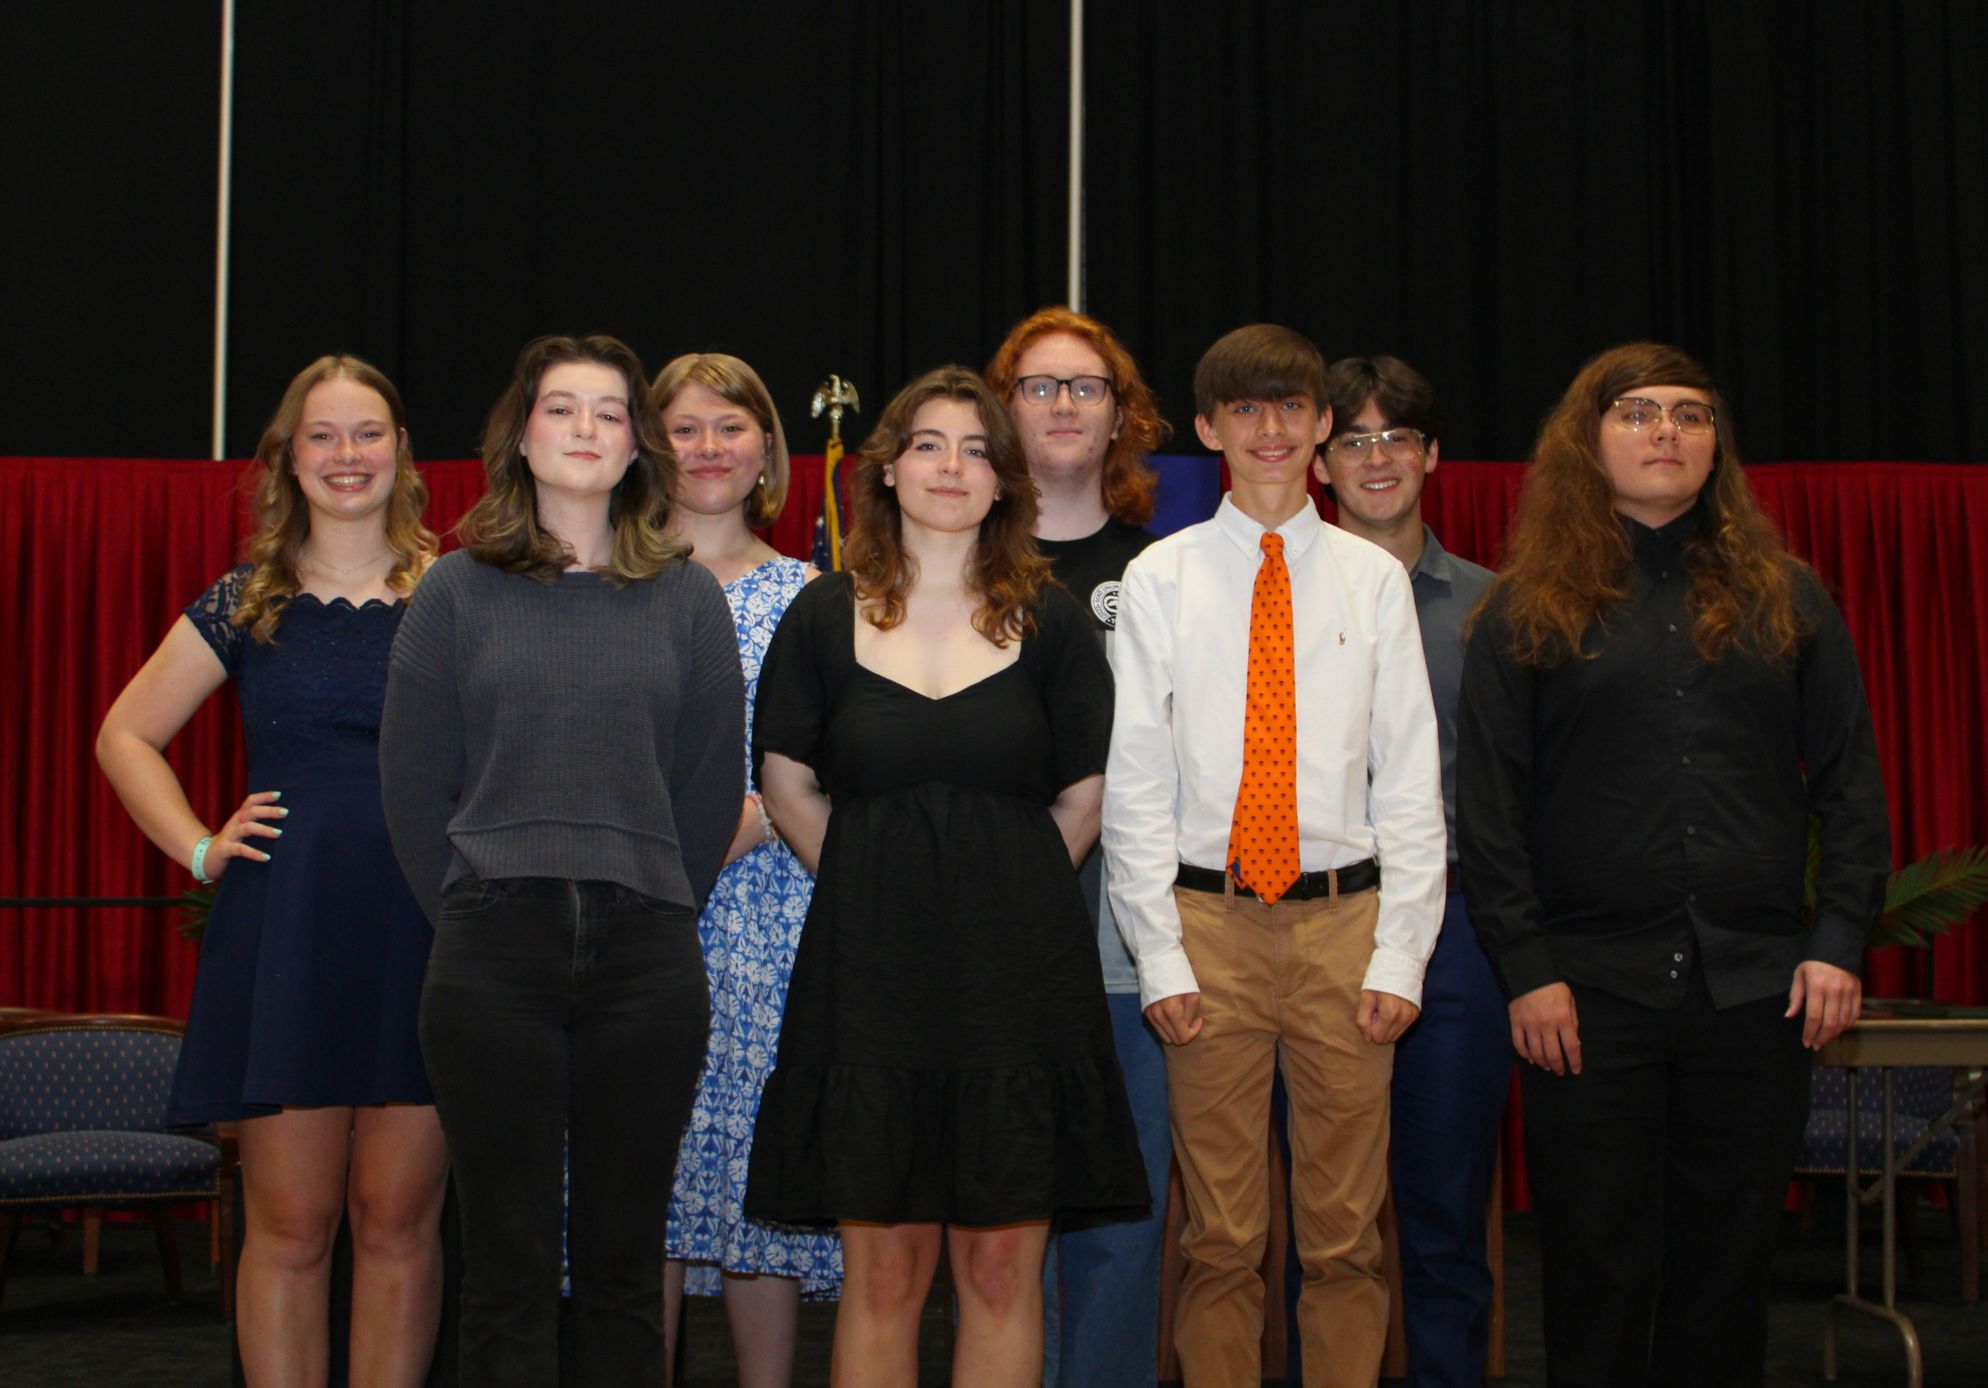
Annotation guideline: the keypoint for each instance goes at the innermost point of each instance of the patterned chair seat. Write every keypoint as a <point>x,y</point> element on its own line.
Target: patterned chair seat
<point>96,1167</point>
<point>83,1123</point>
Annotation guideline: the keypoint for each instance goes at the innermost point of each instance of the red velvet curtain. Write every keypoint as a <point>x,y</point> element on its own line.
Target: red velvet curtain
<point>101,555</point>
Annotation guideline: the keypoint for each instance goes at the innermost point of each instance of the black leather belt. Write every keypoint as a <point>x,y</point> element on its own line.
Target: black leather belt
<point>1310,886</point>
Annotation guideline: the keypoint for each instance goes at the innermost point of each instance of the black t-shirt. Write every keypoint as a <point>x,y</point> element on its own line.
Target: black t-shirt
<point>1091,567</point>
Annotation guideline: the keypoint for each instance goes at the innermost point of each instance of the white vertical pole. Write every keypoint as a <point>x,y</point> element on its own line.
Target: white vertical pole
<point>217,439</point>
<point>1075,287</point>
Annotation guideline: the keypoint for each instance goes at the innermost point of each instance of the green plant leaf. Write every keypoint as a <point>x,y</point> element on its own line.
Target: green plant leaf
<point>1931,896</point>
<point>195,903</point>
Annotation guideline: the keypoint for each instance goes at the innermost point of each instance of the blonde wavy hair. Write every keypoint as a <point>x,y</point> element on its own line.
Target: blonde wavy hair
<point>283,514</point>
<point>736,383</point>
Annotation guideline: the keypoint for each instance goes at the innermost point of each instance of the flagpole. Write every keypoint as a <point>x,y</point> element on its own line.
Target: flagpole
<point>1074,293</point>
<point>218,423</point>
<point>832,396</point>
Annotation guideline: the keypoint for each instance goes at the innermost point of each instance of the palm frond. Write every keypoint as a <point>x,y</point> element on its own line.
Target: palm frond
<point>194,904</point>
<point>1931,896</point>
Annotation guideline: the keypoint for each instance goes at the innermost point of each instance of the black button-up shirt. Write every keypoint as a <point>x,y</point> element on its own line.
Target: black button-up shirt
<point>1619,814</point>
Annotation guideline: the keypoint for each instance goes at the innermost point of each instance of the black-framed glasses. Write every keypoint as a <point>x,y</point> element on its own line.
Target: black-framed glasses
<point>1084,390</point>
<point>1398,444</point>
<point>1637,413</point>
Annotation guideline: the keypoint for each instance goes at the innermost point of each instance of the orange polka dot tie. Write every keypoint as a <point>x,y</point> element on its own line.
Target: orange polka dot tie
<point>1263,839</point>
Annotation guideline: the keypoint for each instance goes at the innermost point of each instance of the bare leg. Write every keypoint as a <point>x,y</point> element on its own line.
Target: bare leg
<point>293,1193</point>
<point>887,1270</point>
<point>394,1198</point>
<point>672,1314</point>
<point>998,1275</point>
<point>765,1315</point>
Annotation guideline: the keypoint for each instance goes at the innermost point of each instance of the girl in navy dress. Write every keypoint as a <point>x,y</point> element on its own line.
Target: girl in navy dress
<point>302,1028</point>
<point>732,475</point>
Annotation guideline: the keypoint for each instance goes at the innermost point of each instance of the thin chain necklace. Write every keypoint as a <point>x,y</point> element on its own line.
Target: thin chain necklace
<point>317,563</point>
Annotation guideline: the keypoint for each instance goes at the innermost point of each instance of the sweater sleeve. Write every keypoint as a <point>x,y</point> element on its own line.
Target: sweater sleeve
<point>707,774</point>
<point>421,738</point>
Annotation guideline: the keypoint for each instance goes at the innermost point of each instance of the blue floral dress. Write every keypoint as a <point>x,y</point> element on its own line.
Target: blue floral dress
<point>750,929</point>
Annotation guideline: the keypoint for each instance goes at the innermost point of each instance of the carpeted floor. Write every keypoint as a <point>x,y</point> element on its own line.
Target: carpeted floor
<point>117,1330</point>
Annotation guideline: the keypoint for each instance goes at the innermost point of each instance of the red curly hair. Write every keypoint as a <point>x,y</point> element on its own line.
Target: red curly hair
<point>1567,556</point>
<point>1128,484</point>
<point>1007,573</point>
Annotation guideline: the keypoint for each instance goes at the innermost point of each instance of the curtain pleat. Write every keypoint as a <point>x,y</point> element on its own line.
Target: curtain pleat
<point>100,556</point>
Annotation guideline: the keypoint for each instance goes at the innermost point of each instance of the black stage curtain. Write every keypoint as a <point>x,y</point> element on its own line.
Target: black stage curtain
<point>1796,190</point>
<point>107,162</point>
<point>867,187</point>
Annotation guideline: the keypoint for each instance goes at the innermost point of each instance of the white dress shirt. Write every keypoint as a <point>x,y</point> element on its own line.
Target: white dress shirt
<point>1369,771</point>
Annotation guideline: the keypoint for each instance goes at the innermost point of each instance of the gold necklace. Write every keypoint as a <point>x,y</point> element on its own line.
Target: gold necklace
<point>317,563</point>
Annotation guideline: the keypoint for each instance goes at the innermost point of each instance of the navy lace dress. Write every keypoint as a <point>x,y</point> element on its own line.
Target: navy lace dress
<point>311,965</point>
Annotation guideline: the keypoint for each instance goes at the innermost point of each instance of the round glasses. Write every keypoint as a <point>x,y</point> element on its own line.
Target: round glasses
<point>1398,444</point>
<point>1637,413</point>
<point>1084,390</point>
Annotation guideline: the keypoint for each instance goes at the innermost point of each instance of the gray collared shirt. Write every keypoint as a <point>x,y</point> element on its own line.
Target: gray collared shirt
<point>1446,589</point>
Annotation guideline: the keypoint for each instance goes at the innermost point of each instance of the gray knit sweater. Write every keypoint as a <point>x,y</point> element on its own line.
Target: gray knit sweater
<point>567,729</point>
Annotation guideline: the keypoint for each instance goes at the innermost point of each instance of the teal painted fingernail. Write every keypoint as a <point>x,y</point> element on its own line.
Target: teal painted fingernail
<point>277,832</point>
<point>282,810</point>
<point>275,795</point>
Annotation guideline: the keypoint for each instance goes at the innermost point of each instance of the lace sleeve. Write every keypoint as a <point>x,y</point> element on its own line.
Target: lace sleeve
<point>210,614</point>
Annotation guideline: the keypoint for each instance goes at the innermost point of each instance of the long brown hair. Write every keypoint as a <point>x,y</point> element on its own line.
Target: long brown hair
<point>736,383</point>
<point>503,530</point>
<point>1128,484</point>
<point>283,515</point>
<point>1007,572</point>
<point>1567,556</point>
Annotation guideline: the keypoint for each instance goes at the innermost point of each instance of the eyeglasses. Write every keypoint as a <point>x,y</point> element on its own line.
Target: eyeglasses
<point>1084,390</point>
<point>1398,444</point>
<point>1637,413</point>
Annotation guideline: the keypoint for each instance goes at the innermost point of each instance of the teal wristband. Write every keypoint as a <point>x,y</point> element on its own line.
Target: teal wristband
<point>199,862</point>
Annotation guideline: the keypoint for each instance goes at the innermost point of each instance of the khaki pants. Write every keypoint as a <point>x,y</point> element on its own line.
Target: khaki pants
<point>1280,985</point>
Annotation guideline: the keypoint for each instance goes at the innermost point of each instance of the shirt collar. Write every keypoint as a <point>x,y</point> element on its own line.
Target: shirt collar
<point>1434,561</point>
<point>1663,541</point>
<point>1300,531</point>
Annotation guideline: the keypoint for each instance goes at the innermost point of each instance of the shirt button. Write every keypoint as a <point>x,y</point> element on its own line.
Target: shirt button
<point>1690,829</point>
<point>1673,973</point>
<point>1685,760</point>
<point>1665,573</point>
<point>1691,897</point>
<point>1680,959</point>
<point>1678,692</point>
<point>1670,626</point>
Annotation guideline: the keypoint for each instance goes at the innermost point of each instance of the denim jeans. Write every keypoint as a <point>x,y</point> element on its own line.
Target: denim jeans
<point>554,1006</point>
<point>1451,1073</point>
<point>1101,1280</point>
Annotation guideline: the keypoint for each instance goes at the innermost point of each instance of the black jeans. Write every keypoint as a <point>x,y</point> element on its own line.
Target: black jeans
<point>1658,1174</point>
<point>552,1007</point>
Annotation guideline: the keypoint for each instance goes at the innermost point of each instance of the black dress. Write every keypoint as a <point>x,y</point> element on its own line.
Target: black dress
<point>946,1055</point>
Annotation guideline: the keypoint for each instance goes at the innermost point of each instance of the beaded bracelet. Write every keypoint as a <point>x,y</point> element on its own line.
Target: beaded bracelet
<point>767,833</point>
<point>199,863</point>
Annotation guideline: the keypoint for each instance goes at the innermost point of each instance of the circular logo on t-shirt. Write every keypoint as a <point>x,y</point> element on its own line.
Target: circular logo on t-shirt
<point>1104,603</point>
